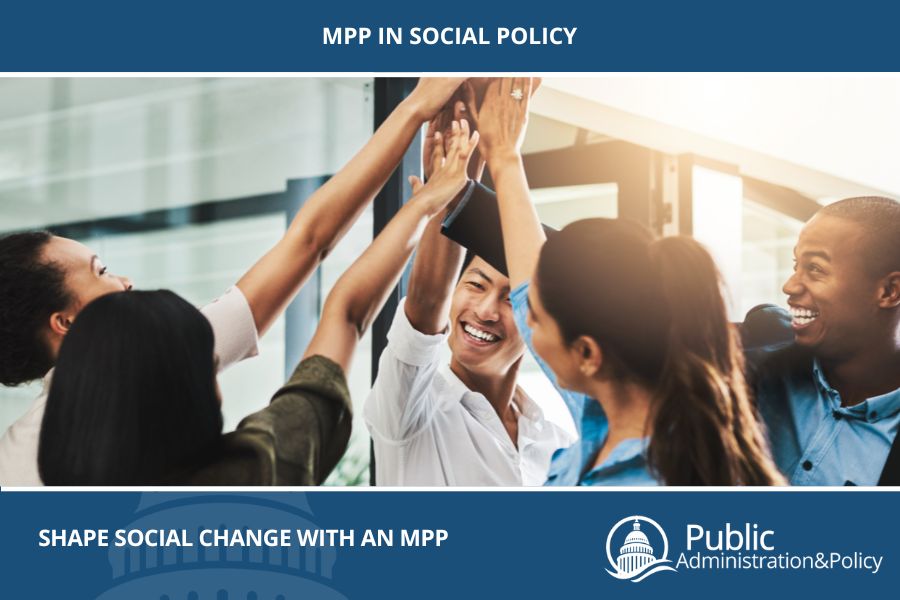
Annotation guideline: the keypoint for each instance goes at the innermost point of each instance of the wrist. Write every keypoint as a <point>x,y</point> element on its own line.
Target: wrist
<point>422,204</point>
<point>415,108</point>
<point>498,158</point>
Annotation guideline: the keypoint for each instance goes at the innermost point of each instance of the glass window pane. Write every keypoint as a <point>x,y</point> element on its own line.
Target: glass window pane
<point>81,148</point>
<point>768,254</point>
<point>717,201</point>
<point>559,206</point>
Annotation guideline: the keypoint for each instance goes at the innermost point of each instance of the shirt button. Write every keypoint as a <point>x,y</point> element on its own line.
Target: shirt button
<point>873,415</point>
<point>836,415</point>
<point>807,465</point>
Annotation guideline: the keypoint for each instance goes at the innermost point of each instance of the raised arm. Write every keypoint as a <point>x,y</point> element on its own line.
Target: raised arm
<point>362,290</point>
<point>502,119</point>
<point>438,258</point>
<point>274,280</point>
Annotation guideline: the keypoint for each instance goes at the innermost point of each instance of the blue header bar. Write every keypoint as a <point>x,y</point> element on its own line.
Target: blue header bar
<point>558,36</point>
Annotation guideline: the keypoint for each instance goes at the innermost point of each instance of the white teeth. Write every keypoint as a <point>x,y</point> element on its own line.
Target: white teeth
<point>803,316</point>
<point>481,335</point>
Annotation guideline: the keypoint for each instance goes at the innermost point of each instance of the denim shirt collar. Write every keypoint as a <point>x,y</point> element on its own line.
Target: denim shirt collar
<point>871,409</point>
<point>627,453</point>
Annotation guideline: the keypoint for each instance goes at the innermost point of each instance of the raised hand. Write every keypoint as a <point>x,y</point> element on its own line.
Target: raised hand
<point>433,135</point>
<point>441,123</point>
<point>503,114</point>
<point>448,166</point>
<point>432,94</point>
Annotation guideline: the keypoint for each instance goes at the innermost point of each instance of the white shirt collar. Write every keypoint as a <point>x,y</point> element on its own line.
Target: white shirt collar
<point>532,420</point>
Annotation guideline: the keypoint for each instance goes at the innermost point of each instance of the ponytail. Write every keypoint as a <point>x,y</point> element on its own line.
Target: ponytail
<point>656,310</point>
<point>705,430</point>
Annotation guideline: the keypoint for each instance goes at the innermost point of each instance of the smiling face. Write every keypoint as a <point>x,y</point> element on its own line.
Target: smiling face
<point>832,296</point>
<point>87,278</point>
<point>483,335</point>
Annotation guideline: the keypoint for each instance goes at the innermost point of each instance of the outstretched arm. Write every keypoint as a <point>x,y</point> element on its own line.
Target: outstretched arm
<point>502,119</point>
<point>362,290</point>
<point>438,258</point>
<point>274,280</point>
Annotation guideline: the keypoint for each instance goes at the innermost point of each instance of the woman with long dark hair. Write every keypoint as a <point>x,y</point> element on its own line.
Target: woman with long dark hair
<point>134,399</point>
<point>636,323</point>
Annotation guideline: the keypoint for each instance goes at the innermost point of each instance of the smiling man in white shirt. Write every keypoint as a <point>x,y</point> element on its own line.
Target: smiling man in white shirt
<point>466,423</point>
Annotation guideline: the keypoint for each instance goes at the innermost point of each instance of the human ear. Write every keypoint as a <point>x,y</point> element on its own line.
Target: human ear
<point>588,354</point>
<point>890,291</point>
<point>60,323</point>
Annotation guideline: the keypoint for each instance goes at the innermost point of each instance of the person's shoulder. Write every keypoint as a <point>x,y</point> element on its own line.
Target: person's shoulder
<point>766,327</point>
<point>768,342</point>
<point>783,360</point>
<point>317,376</point>
<point>243,457</point>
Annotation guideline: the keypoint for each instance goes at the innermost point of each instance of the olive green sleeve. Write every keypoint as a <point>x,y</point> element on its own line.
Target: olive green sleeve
<point>308,422</point>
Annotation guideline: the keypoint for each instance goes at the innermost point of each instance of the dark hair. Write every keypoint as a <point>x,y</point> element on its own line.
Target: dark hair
<point>880,217</point>
<point>133,399</point>
<point>656,309</point>
<point>467,260</point>
<point>593,280</point>
<point>31,289</point>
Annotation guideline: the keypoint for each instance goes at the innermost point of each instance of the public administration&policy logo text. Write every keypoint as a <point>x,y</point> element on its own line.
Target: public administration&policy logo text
<point>637,547</point>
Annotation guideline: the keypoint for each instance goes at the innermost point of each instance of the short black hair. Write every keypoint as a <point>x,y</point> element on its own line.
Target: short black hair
<point>470,256</point>
<point>880,217</point>
<point>31,289</point>
<point>133,399</point>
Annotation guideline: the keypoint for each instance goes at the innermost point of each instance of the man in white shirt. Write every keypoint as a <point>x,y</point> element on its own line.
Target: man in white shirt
<point>45,280</point>
<point>465,423</point>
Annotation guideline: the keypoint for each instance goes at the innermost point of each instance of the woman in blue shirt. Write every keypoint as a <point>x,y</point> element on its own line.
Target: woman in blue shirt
<point>637,323</point>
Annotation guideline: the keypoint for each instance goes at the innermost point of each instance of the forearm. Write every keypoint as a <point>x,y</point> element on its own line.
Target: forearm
<point>362,290</point>
<point>274,280</point>
<point>523,234</point>
<point>435,268</point>
<point>333,207</point>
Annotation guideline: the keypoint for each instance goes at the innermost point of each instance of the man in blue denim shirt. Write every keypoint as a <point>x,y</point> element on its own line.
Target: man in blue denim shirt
<point>831,400</point>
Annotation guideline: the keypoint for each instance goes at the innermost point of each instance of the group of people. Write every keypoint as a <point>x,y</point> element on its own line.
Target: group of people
<point>632,331</point>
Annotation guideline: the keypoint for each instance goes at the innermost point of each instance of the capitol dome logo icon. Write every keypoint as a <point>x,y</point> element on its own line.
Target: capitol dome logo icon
<point>637,558</point>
